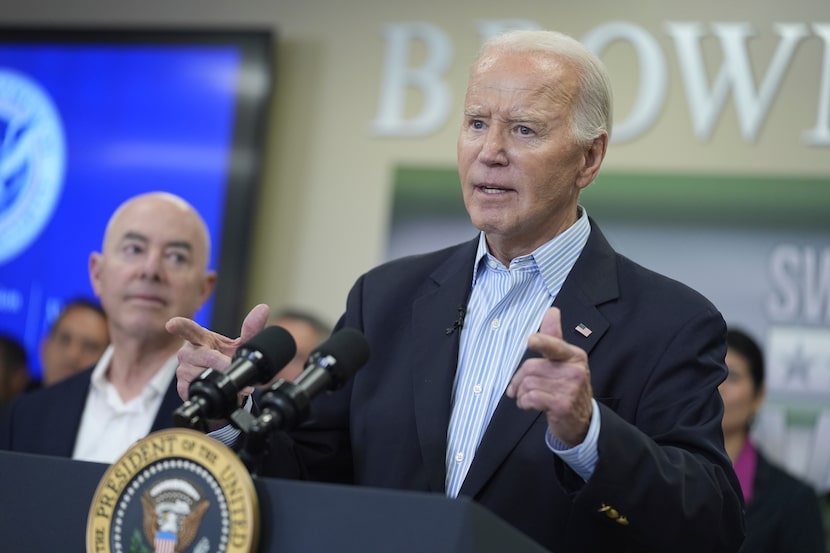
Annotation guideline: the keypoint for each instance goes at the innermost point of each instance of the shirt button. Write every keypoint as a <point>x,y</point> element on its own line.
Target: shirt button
<point>494,324</point>
<point>459,457</point>
<point>477,389</point>
<point>492,264</point>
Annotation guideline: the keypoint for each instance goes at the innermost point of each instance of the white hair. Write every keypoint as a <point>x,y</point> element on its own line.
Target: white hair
<point>592,112</point>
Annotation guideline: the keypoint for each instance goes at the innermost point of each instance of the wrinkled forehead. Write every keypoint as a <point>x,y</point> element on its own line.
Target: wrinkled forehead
<point>538,77</point>
<point>512,67</point>
<point>541,62</point>
<point>161,218</point>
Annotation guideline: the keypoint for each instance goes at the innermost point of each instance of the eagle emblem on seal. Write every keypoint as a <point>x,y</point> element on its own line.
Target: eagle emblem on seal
<point>173,509</point>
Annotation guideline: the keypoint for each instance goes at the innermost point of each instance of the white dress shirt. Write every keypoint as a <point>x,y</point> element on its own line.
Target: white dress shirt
<point>506,306</point>
<point>109,426</point>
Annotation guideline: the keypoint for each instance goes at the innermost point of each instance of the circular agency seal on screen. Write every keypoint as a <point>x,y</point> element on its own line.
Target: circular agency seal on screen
<point>32,161</point>
<point>174,490</point>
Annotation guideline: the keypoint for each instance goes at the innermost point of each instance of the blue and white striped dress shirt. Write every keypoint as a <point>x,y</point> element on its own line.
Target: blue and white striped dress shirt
<point>505,307</point>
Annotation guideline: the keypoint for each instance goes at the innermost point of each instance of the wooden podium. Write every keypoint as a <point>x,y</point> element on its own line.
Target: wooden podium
<point>44,503</point>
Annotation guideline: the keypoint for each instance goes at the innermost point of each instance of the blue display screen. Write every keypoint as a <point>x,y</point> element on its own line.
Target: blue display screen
<point>84,127</point>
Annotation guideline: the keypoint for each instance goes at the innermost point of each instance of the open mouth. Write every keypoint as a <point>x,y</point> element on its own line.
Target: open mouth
<point>492,190</point>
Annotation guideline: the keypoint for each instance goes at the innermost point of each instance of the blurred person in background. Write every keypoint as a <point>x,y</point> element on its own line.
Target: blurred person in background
<point>308,332</point>
<point>14,371</point>
<point>76,340</point>
<point>782,512</point>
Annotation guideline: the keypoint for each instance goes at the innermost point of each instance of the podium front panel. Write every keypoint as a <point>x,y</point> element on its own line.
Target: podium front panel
<point>44,503</point>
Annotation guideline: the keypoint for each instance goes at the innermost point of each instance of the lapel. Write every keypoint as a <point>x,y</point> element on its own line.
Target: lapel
<point>435,356</point>
<point>68,411</point>
<point>592,281</point>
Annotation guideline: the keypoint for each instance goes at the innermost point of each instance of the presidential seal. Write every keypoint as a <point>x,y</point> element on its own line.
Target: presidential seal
<point>175,490</point>
<point>32,161</point>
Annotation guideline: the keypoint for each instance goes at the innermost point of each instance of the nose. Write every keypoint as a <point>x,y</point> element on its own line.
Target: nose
<point>151,268</point>
<point>494,148</point>
<point>76,355</point>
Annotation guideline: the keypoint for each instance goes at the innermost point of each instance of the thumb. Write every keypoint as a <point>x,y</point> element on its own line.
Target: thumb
<point>254,321</point>
<point>552,323</point>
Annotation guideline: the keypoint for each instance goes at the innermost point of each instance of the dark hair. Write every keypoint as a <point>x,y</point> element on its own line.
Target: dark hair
<point>12,353</point>
<point>318,324</point>
<point>77,303</point>
<point>743,344</point>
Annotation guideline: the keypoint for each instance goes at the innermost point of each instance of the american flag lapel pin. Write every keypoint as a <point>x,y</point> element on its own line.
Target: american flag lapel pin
<point>584,330</point>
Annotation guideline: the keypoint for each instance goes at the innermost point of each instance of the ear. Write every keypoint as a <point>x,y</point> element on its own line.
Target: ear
<point>95,261</point>
<point>592,157</point>
<point>208,284</point>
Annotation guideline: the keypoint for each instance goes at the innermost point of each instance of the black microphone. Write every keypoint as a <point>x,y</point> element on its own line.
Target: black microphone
<point>286,403</point>
<point>213,394</point>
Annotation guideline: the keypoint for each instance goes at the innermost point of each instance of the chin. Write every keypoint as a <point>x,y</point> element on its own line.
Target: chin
<point>486,221</point>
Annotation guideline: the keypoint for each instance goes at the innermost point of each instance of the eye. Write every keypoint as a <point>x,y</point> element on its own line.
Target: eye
<point>734,376</point>
<point>178,257</point>
<point>477,124</point>
<point>90,348</point>
<point>524,131</point>
<point>133,248</point>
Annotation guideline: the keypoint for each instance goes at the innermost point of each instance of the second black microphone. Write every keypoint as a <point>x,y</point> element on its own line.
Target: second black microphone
<point>213,395</point>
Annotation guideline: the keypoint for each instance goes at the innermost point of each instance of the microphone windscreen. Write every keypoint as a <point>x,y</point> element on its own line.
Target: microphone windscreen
<point>275,345</point>
<point>350,350</point>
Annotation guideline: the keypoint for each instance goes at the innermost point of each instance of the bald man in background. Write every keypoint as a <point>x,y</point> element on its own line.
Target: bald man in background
<point>153,265</point>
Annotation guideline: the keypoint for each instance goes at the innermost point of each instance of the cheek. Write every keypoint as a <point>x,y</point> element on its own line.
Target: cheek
<point>738,404</point>
<point>548,194</point>
<point>730,396</point>
<point>464,162</point>
<point>193,290</point>
<point>462,148</point>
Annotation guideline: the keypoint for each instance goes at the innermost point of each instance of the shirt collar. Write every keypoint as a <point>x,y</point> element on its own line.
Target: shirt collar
<point>562,249</point>
<point>158,385</point>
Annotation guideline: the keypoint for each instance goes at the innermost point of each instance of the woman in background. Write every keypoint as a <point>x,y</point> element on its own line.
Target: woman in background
<point>782,512</point>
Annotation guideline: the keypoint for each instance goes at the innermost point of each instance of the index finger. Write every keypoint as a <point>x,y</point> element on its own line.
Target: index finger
<point>191,331</point>
<point>554,348</point>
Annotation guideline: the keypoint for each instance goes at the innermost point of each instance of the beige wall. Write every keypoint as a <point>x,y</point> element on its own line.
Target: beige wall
<point>324,207</point>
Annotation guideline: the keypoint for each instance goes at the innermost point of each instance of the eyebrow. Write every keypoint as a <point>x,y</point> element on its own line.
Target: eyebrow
<point>179,244</point>
<point>523,116</point>
<point>132,235</point>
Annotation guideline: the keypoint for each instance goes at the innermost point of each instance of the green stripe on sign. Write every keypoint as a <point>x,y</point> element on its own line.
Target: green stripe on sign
<point>756,201</point>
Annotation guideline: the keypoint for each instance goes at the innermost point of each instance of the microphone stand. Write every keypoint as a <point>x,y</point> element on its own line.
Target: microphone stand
<point>284,405</point>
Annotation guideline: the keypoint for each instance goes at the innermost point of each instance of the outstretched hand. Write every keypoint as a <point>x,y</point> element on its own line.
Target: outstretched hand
<point>204,348</point>
<point>558,383</point>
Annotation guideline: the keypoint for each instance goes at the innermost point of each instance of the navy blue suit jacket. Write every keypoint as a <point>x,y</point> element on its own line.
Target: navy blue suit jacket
<point>46,421</point>
<point>663,481</point>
